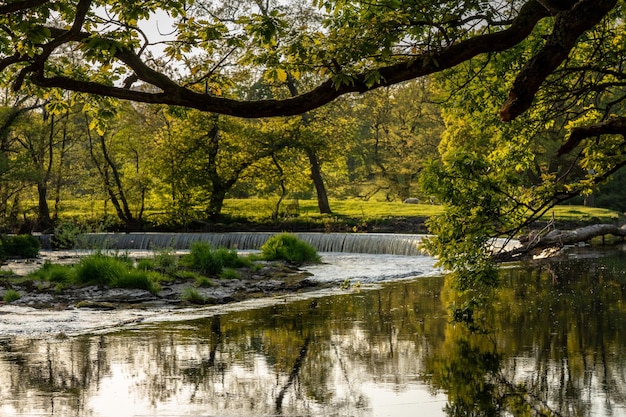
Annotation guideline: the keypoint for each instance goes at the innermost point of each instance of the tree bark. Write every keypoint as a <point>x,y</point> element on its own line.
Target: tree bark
<point>167,91</point>
<point>534,243</point>
<point>318,181</point>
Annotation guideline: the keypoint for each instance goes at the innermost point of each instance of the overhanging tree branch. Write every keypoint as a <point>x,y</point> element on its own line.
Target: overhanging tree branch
<point>614,126</point>
<point>568,27</point>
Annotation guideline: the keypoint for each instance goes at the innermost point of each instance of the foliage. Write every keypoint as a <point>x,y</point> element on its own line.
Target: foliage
<point>112,271</point>
<point>62,274</point>
<point>139,279</point>
<point>100,269</point>
<point>11,295</point>
<point>288,247</point>
<point>19,246</point>
<point>210,261</point>
<point>66,235</point>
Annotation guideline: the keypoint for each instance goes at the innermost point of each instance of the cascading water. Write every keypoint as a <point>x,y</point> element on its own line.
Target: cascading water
<point>373,243</point>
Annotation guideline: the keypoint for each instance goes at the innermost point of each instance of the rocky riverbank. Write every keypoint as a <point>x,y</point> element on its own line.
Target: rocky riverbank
<point>270,280</point>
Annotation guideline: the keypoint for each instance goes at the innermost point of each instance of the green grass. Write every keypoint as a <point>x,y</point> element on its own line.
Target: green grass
<point>258,208</point>
<point>10,296</point>
<point>288,247</point>
<point>191,295</point>
<point>209,261</point>
<point>229,273</point>
<point>100,269</point>
<point>581,213</point>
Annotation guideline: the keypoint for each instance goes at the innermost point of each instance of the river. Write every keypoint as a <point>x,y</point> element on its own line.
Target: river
<point>554,342</point>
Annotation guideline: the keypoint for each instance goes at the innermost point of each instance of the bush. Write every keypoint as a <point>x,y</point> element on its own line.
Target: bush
<point>289,248</point>
<point>20,246</point>
<point>62,274</point>
<point>204,259</point>
<point>10,296</point>
<point>100,269</point>
<point>66,235</point>
<point>138,279</point>
<point>231,259</point>
<point>165,262</point>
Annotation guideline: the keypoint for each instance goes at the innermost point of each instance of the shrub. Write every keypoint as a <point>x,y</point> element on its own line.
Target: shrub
<point>289,248</point>
<point>10,296</point>
<point>138,279</point>
<point>62,274</point>
<point>100,269</point>
<point>66,235</point>
<point>231,259</point>
<point>20,246</point>
<point>165,262</point>
<point>204,259</point>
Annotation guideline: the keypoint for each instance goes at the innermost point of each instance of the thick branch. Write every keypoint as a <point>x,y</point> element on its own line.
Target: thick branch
<point>568,27</point>
<point>427,63</point>
<point>559,238</point>
<point>615,126</point>
<point>21,5</point>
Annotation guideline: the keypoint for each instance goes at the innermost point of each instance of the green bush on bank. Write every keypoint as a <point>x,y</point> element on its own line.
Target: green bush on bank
<point>19,246</point>
<point>209,261</point>
<point>11,295</point>
<point>288,247</point>
<point>100,269</point>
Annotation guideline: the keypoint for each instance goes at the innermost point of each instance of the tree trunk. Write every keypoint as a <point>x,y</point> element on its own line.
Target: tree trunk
<point>534,243</point>
<point>318,181</point>
<point>44,222</point>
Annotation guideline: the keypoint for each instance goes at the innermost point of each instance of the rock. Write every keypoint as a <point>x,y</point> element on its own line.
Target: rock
<point>411,200</point>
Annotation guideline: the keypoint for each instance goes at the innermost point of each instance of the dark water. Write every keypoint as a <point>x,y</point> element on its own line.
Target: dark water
<point>555,345</point>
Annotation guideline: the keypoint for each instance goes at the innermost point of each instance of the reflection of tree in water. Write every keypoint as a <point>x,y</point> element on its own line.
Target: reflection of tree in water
<point>556,343</point>
<point>555,346</point>
<point>51,369</point>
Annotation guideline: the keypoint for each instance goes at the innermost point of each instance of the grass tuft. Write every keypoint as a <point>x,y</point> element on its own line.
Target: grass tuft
<point>11,295</point>
<point>288,247</point>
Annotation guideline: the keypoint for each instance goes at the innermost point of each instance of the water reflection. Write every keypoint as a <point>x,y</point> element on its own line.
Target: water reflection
<point>556,348</point>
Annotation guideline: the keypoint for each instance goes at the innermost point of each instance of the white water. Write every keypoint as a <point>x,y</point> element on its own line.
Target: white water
<point>364,269</point>
<point>375,243</point>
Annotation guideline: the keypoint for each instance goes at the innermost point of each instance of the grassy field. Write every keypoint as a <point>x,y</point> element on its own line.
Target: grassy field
<point>373,210</point>
<point>356,209</point>
<point>349,212</point>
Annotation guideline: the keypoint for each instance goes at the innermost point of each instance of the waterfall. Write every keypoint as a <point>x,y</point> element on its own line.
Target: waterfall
<point>373,243</point>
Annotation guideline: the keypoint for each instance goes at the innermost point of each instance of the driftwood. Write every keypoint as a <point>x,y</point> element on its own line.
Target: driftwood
<point>551,242</point>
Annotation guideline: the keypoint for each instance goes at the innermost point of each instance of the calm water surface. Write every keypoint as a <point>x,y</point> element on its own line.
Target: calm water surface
<point>556,343</point>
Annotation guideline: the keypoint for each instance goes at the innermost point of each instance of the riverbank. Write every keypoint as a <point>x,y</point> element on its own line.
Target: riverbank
<point>267,279</point>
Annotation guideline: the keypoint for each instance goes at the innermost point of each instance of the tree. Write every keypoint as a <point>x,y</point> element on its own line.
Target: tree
<point>201,156</point>
<point>119,145</point>
<point>360,46</point>
<point>401,129</point>
<point>559,63</point>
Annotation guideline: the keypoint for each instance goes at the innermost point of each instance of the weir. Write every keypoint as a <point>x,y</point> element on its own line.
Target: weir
<point>372,243</point>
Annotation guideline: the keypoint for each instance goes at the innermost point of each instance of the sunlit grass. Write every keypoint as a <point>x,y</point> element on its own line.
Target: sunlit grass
<point>581,213</point>
<point>261,210</point>
<point>357,209</point>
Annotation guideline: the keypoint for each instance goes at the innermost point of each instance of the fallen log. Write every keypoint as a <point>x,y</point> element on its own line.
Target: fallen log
<point>535,242</point>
